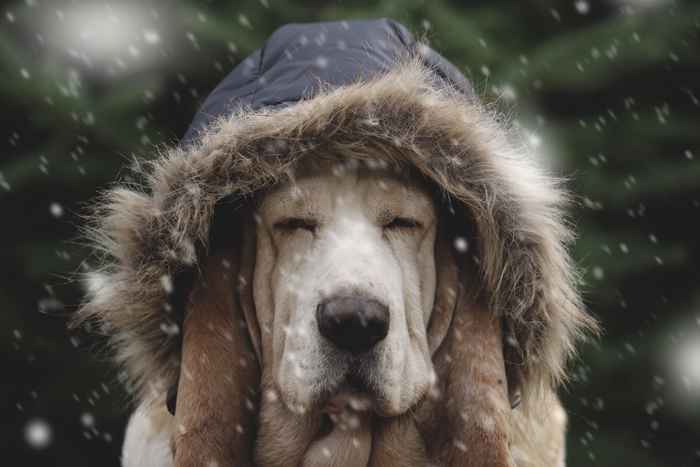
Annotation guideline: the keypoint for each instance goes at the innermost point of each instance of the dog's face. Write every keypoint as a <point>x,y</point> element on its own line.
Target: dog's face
<point>344,285</point>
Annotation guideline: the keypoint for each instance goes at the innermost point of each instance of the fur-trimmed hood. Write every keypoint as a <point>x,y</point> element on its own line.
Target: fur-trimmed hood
<point>360,89</point>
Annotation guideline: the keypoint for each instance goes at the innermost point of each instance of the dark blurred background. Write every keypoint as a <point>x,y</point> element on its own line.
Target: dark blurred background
<point>608,91</point>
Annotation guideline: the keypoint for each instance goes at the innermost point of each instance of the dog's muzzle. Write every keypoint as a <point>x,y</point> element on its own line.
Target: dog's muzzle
<point>353,323</point>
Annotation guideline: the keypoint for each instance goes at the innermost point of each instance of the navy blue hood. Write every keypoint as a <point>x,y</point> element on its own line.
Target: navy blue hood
<point>298,59</point>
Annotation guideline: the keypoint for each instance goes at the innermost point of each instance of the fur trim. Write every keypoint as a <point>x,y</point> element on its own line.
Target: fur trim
<point>150,233</point>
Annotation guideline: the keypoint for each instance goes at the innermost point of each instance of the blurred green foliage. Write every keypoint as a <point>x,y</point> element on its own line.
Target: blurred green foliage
<point>608,91</point>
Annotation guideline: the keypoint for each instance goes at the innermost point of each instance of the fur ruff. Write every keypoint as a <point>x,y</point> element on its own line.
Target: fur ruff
<point>148,233</point>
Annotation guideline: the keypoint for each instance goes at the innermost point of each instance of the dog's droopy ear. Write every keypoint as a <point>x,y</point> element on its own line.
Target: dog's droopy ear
<point>468,407</point>
<point>458,275</point>
<point>218,391</point>
<point>446,292</point>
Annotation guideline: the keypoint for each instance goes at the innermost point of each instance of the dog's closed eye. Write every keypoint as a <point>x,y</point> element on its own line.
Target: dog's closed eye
<point>291,224</point>
<point>400,222</point>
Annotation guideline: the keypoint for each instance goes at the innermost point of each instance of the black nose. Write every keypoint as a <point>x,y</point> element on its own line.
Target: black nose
<point>353,323</point>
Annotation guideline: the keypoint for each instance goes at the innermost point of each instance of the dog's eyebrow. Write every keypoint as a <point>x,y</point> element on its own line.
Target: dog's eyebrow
<point>289,200</point>
<point>385,215</point>
<point>408,199</point>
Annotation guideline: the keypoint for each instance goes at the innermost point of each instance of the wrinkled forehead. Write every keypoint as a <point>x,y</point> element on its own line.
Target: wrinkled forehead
<point>313,187</point>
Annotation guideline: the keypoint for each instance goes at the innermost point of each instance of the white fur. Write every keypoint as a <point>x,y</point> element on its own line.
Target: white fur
<point>146,445</point>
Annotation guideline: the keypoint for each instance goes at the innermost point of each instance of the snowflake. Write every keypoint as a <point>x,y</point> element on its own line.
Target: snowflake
<point>38,433</point>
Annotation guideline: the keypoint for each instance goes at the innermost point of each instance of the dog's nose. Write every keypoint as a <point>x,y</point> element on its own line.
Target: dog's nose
<point>352,323</point>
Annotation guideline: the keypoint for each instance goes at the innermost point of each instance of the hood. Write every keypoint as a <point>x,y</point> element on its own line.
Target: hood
<point>358,89</point>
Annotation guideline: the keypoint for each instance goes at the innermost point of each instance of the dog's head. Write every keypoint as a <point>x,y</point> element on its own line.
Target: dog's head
<point>344,286</point>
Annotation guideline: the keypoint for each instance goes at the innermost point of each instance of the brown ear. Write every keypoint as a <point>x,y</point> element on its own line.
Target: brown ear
<point>468,409</point>
<point>456,275</point>
<point>446,292</point>
<point>217,395</point>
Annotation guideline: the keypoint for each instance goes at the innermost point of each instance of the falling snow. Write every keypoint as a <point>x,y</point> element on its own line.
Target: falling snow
<point>167,283</point>
<point>87,420</point>
<point>56,210</point>
<point>89,46</point>
<point>461,244</point>
<point>151,37</point>
<point>321,61</point>
<point>598,273</point>
<point>38,434</point>
<point>582,6</point>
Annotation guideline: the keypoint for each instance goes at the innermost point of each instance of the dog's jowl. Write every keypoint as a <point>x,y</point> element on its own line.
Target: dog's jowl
<point>349,265</point>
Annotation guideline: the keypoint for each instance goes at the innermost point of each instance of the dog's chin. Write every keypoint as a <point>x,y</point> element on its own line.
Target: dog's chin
<point>348,399</point>
<point>384,407</point>
<point>355,395</point>
<point>349,394</point>
<point>359,387</point>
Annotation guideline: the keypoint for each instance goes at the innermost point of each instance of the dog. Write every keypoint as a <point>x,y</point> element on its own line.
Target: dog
<point>352,290</point>
<point>366,273</point>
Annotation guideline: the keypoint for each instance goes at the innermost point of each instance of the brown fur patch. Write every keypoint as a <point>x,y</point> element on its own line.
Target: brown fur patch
<point>219,383</point>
